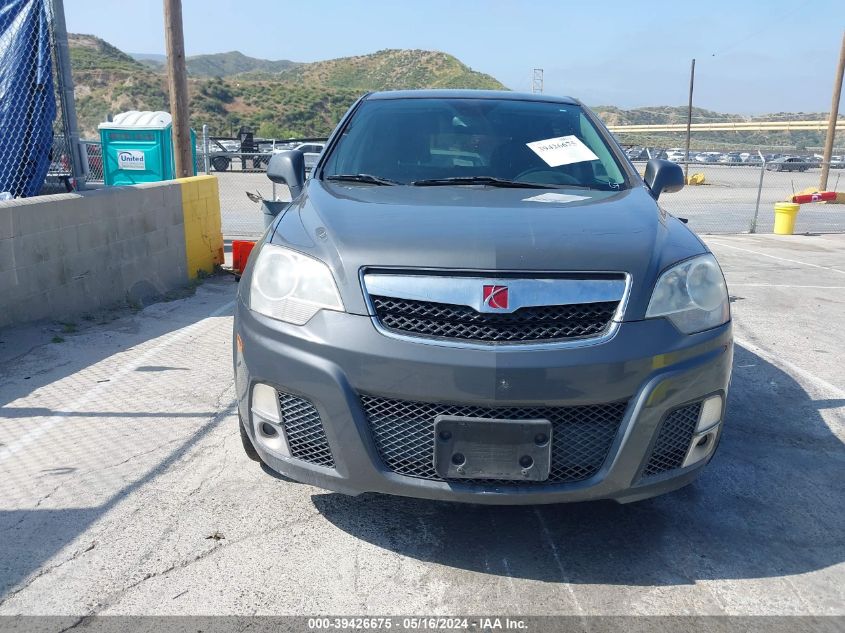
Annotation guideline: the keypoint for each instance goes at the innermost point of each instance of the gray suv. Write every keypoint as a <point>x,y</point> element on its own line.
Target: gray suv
<point>475,297</point>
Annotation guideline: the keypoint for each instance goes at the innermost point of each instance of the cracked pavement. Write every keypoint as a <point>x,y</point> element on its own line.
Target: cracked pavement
<point>124,488</point>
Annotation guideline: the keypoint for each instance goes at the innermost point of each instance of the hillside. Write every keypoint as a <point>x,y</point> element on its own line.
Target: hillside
<point>233,63</point>
<point>108,81</point>
<point>392,69</point>
<point>283,99</point>
<point>88,52</point>
<point>154,60</point>
<point>218,64</point>
<point>275,98</point>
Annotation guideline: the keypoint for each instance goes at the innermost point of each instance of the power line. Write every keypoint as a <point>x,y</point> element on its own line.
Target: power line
<point>767,28</point>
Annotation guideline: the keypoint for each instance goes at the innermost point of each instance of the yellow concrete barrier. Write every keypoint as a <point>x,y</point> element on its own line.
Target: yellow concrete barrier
<point>203,230</point>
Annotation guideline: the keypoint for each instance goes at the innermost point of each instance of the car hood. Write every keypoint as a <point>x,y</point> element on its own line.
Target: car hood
<point>354,226</point>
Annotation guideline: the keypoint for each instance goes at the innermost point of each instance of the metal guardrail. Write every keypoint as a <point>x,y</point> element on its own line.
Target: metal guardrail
<point>728,126</point>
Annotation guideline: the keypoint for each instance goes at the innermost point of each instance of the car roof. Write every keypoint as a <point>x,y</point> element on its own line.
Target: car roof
<point>468,94</point>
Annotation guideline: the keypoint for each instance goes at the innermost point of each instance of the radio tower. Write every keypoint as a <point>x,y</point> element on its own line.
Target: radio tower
<point>537,83</point>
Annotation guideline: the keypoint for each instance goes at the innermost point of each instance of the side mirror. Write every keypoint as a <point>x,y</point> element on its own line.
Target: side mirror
<point>663,176</point>
<point>288,168</point>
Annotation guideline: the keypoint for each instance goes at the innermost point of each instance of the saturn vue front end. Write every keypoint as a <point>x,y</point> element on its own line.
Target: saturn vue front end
<point>475,297</point>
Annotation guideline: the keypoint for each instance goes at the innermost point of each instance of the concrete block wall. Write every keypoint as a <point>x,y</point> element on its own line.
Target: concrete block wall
<point>64,255</point>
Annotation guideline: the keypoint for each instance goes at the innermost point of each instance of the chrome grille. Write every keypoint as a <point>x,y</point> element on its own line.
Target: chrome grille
<point>403,432</point>
<point>304,430</point>
<point>543,323</point>
<point>673,440</point>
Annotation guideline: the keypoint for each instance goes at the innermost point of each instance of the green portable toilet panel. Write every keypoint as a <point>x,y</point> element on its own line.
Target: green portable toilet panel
<point>138,147</point>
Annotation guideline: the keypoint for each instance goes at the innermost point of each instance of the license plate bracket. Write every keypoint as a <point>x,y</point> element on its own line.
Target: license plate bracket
<point>488,448</point>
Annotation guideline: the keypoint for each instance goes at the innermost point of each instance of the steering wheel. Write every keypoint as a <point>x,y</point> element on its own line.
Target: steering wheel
<point>542,176</point>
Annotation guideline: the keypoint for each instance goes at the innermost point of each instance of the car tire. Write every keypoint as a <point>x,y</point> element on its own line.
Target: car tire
<point>220,163</point>
<point>249,448</point>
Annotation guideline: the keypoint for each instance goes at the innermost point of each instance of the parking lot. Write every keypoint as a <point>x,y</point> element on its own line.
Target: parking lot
<point>724,204</point>
<point>125,489</point>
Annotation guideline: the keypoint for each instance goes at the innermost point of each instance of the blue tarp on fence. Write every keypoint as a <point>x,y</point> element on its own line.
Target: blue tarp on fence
<point>27,97</point>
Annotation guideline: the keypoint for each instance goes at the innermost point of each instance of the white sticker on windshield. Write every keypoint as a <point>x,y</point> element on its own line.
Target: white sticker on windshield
<point>562,150</point>
<point>556,198</point>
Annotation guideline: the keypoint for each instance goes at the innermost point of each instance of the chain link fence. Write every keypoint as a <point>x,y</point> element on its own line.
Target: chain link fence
<point>242,214</point>
<point>93,155</point>
<point>36,151</point>
<point>242,177</point>
<point>740,197</point>
<point>731,198</point>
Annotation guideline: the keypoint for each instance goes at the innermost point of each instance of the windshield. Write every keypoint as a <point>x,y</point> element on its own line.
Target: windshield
<point>410,141</point>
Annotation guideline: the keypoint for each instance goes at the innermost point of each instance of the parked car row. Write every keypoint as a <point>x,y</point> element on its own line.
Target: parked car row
<point>774,161</point>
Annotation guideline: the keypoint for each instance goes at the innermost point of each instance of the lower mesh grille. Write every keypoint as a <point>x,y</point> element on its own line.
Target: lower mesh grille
<point>673,440</point>
<point>304,430</point>
<point>403,432</point>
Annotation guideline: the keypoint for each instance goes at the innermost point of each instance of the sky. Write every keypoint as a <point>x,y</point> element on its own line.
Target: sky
<point>752,57</point>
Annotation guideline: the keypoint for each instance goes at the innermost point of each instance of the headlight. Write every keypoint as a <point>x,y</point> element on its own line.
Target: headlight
<point>692,295</point>
<point>291,287</point>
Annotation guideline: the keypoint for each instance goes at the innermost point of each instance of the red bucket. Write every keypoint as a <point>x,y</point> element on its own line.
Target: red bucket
<point>240,254</point>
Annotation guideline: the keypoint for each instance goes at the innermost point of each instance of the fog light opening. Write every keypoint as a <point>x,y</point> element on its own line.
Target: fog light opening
<point>267,430</point>
<point>701,447</point>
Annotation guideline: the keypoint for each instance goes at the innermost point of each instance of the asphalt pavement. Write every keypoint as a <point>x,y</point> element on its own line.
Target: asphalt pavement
<point>124,488</point>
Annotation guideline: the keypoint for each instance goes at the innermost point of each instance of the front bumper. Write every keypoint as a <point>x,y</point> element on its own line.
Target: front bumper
<point>337,357</point>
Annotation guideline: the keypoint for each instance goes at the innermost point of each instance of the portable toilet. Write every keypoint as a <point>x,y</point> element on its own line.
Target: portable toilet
<point>138,147</point>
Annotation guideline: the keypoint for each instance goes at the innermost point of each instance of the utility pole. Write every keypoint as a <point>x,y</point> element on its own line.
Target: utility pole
<point>834,114</point>
<point>537,82</point>
<point>689,119</point>
<point>177,83</point>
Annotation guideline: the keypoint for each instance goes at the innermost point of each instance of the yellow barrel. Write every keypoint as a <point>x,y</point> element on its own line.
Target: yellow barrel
<point>785,214</point>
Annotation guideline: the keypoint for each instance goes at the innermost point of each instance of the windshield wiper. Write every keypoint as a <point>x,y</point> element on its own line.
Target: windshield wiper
<point>481,180</point>
<point>368,178</point>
